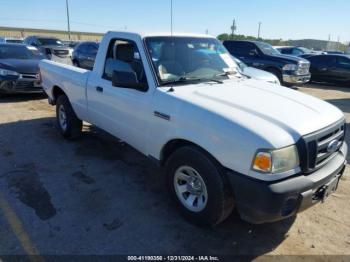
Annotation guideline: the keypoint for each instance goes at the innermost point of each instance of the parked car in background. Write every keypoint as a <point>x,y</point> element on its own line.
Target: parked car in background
<point>348,50</point>
<point>84,55</point>
<point>295,51</point>
<point>224,141</point>
<point>289,70</point>
<point>330,68</point>
<point>335,52</point>
<point>49,46</point>
<point>19,69</point>
<point>256,73</point>
<point>11,40</point>
<point>71,44</point>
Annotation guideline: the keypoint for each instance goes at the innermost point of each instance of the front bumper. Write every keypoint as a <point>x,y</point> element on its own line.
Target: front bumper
<point>261,202</point>
<point>20,86</point>
<point>296,79</point>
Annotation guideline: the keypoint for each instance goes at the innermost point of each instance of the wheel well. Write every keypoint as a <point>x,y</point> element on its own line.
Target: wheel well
<point>56,92</point>
<point>175,144</point>
<point>272,68</point>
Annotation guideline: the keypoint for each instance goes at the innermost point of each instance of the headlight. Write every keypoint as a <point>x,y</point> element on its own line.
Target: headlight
<point>276,161</point>
<point>290,67</point>
<point>5,72</point>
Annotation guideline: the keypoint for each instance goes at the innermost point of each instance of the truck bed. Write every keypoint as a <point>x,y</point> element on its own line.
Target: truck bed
<point>72,80</point>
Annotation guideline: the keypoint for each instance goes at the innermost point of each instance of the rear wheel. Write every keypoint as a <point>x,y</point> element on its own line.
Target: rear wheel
<point>67,121</point>
<point>198,187</point>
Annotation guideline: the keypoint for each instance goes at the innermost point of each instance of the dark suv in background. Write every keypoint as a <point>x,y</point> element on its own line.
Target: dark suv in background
<point>330,68</point>
<point>84,55</point>
<point>49,46</point>
<point>289,70</point>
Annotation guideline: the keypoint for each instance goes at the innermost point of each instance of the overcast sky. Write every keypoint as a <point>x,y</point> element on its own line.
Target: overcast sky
<point>286,19</point>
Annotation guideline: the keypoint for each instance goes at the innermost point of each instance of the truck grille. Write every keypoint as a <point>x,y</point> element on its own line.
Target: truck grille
<point>316,149</point>
<point>24,84</point>
<point>60,52</point>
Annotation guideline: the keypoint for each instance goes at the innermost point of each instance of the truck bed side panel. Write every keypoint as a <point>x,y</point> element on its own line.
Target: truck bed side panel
<point>71,80</point>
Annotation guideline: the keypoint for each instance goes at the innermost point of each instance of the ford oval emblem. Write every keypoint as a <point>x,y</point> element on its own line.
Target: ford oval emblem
<point>333,146</point>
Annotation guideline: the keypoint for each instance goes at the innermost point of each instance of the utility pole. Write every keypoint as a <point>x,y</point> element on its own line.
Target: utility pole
<point>171,17</point>
<point>68,22</point>
<point>233,27</point>
<point>259,30</point>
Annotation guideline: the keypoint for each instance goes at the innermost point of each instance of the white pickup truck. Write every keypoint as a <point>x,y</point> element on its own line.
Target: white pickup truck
<point>225,141</point>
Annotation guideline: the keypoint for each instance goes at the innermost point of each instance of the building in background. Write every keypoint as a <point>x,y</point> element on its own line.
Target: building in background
<point>318,45</point>
<point>63,35</point>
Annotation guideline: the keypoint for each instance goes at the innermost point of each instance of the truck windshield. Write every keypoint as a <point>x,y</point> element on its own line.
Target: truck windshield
<point>189,59</point>
<point>8,51</point>
<point>267,49</point>
<point>50,41</point>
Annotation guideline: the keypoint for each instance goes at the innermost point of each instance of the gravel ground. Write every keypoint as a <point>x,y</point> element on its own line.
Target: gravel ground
<point>97,195</point>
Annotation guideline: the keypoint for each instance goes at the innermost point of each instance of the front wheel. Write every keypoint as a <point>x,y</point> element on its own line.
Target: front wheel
<point>198,187</point>
<point>67,121</point>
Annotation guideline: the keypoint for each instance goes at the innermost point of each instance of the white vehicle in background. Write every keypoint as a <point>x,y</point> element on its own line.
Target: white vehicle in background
<point>225,141</point>
<point>11,40</point>
<point>348,50</point>
<point>256,73</point>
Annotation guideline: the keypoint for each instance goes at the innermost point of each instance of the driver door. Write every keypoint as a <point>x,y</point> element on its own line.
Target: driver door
<point>123,112</point>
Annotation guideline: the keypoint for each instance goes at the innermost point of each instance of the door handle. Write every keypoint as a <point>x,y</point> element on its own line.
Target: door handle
<point>99,89</point>
<point>324,69</point>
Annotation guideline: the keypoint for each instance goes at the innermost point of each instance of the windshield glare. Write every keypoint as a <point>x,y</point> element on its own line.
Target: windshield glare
<point>305,50</point>
<point>267,49</point>
<point>50,41</point>
<point>189,58</point>
<point>20,52</point>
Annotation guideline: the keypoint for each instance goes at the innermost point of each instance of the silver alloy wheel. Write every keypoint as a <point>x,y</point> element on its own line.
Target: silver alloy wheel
<point>190,188</point>
<point>62,117</point>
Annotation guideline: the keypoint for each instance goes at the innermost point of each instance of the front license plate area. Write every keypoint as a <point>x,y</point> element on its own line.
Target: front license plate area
<point>330,188</point>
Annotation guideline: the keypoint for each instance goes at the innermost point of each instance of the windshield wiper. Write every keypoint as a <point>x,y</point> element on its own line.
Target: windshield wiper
<point>185,79</point>
<point>227,73</point>
<point>181,80</point>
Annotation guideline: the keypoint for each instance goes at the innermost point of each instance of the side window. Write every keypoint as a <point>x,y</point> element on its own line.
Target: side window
<point>82,48</point>
<point>324,60</point>
<point>240,48</point>
<point>343,62</point>
<point>286,51</point>
<point>297,51</point>
<point>92,49</point>
<point>123,55</point>
<point>28,41</point>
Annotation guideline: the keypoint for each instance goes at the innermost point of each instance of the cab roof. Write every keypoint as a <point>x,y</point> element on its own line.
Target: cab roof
<point>160,34</point>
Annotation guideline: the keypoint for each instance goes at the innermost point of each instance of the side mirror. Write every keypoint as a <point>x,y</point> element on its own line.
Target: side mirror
<point>254,52</point>
<point>127,79</point>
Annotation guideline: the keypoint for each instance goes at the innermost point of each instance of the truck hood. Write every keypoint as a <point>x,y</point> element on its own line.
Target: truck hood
<point>259,74</point>
<point>288,58</point>
<point>24,66</point>
<point>267,108</point>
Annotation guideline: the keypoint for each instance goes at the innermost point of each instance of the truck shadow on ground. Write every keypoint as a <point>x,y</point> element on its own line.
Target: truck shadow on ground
<point>132,189</point>
<point>343,104</point>
<point>14,98</point>
<point>328,86</point>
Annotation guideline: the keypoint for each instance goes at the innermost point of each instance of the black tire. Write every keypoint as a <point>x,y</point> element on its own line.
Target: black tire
<point>73,127</point>
<point>76,63</point>
<point>220,202</point>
